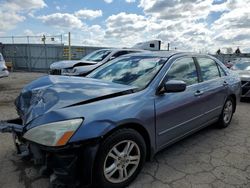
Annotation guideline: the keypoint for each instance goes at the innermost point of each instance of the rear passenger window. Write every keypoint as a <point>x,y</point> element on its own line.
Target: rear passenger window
<point>209,69</point>
<point>185,70</point>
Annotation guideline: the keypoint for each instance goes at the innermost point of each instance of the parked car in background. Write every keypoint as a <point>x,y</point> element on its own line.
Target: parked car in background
<point>243,69</point>
<point>3,69</point>
<point>85,65</point>
<point>101,128</point>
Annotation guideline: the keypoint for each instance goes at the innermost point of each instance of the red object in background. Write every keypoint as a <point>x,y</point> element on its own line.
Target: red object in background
<point>229,64</point>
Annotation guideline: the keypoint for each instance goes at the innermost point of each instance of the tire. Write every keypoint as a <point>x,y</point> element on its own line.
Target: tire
<point>227,113</point>
<point>116,161</point>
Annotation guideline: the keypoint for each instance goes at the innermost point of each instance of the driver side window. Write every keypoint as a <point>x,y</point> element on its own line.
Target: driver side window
<point>183,69</point>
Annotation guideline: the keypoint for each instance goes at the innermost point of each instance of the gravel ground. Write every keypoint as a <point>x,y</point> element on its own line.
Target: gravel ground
<point>211,158</point>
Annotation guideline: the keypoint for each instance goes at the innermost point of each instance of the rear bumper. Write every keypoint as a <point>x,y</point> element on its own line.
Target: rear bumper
<point>69,165</point>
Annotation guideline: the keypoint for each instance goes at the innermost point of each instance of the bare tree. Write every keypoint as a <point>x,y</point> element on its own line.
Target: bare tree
<point>237,51</point>
<point>218,52</point>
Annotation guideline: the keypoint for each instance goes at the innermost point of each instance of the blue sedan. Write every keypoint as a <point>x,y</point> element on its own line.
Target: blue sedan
<point>99,130</point>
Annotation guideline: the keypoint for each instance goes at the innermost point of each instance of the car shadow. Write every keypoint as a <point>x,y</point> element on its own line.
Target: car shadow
<point>245,100</point>
<point>190,140</point>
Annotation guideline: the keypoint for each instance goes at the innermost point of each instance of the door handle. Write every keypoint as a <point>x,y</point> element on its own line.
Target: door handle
<point>225,84</point>
<point>198,93</point>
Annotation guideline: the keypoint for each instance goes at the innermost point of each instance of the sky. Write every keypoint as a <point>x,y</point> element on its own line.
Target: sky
<point>189,25</point>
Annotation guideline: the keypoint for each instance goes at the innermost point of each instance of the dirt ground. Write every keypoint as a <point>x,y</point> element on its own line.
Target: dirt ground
<point>211,158</point>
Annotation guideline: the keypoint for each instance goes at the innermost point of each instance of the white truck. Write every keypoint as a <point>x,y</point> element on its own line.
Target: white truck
<point>152,45</point>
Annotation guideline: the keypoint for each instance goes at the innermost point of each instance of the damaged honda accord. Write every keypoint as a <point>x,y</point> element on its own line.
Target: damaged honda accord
<point>100,130</point>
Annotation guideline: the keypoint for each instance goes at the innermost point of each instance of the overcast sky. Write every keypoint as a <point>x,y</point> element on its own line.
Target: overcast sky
<point>198,25</point>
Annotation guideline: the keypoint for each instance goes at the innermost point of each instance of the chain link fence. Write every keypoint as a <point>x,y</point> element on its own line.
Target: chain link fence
<point>37,53</point>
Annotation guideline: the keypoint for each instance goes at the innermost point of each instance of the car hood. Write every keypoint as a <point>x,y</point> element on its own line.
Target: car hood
<point>55,92</point>
<point>70,64</point>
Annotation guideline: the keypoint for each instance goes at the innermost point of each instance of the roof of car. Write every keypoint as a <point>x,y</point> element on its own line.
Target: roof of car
<point>130,49</point>
<point>124,49</point>
<point>156,53</point>
<point>165,53</point>
<point>160,53</point>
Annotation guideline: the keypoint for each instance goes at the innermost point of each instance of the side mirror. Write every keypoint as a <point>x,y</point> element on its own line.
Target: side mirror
<point>173,86</point>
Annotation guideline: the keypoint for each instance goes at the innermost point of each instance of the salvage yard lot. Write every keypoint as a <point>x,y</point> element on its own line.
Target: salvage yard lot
<point>210,158</point>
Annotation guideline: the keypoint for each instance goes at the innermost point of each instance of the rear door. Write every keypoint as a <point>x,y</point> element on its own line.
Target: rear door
<point>213,87</point>
<point>179,113</point>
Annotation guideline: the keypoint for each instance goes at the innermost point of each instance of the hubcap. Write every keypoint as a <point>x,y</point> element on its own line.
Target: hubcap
<point>122,161</point>
<point>228,111</point>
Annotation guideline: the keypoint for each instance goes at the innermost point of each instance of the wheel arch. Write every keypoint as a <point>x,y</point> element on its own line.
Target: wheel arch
<point>233,96</point>
<point>141,130</point>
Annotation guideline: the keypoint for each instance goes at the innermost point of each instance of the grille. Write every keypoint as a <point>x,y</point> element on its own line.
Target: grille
<point>55,72</point>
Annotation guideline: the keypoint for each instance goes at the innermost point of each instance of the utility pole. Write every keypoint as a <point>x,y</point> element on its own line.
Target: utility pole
<point>43,39</point>
<point>168,46</point>
<point>28,39</point>
<point>61,39</point>
<point>69,46</point>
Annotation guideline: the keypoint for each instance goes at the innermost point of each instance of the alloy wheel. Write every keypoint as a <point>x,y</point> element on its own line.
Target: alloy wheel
<point>228,111</point>
<point>122,161</point>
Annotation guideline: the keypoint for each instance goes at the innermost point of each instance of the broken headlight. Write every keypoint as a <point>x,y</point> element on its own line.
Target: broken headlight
<point>53,134</point>
<point>68,71</point>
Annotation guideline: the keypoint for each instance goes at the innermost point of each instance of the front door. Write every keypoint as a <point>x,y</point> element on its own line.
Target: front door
<point>179,113</point>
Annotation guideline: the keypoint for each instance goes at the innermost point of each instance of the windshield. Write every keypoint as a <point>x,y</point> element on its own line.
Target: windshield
<point>134,71</point>
<point>242,66</point>
<point>97,56</point>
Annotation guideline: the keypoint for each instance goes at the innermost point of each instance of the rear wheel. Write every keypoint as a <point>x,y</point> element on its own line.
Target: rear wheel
<point>120,159</point>
<point>227,113</point>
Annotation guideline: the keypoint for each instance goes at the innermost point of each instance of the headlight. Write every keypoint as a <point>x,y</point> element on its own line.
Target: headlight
<point>75,69</point>
<point>53,134</point>
<point>67,71</point>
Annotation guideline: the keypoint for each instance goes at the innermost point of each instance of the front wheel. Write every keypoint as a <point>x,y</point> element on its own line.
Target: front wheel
<point>120,159</point>
<point>227,113</point>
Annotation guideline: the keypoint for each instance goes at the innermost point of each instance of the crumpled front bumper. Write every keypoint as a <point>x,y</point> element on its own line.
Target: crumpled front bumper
<point>245,88</point>
<point>11,126</point>
<point>67,166</point>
